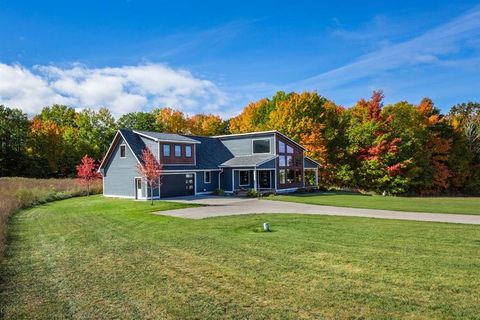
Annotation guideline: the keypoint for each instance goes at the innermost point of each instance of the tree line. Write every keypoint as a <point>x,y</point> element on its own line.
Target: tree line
<point>400,148</point>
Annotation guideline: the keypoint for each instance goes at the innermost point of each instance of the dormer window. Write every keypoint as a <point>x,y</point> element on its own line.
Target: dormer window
<point>188,151</point>
<point>122,151</point>
<point>178,150</point>
<point>261,146</point>
<point>166,150</point>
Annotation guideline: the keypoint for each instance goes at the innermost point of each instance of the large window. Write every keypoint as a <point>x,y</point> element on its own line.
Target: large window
<point>244,178</point>
<point>290,165</point>
<point>261,146</point>
<point>207,178</point>
<point>178,150</point>
<point>166,150</point>
<point>281,147</point>
<point>281,175</point>
<point>188,151</point>
<point>122,151</point>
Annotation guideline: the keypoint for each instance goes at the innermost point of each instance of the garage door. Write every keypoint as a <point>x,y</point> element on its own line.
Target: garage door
<point>175,185</point>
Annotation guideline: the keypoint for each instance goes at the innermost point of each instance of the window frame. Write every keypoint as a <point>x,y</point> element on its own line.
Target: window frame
<point>209,177</point>
<point>280,144</point>
<point>240,178</point>
<point>269,145</point>
<point>124,146</point>
<point>166,145</point>
<point>175,150</point>
<point>188,147</point>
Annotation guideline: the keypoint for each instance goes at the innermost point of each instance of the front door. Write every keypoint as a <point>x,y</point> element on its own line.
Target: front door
<point>189,184</point>
<point>264,177</point>
<point>138,188</point>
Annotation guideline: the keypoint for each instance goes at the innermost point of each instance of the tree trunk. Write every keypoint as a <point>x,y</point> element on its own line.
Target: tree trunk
<point>151,193</point>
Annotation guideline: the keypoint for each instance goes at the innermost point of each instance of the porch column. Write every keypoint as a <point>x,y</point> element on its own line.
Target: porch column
<point>255,179</point>
<point>316,177</point>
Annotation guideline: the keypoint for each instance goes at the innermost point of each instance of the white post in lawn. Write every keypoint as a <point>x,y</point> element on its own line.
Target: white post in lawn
<point>255,179</point>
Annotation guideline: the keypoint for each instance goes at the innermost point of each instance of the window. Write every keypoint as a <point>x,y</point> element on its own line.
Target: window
<point>281,147</point>
<point>261,146</point>
<point>281,174</point>
<point>178,150</point>
<point>290,176</point>
<point>289,161</point>
<point>166,150</point>
<point>188,151</point>
<point>281,161</point>
<point>122,151</point>
<point>207,178</point>
<point>298,176</point>
<point>244,178</point>
<point>289,149</point>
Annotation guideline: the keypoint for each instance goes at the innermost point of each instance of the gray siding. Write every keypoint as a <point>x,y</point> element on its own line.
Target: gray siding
<point>226,179</point>
<point>119,173</point>
<point>152,145</point>
<point>268,165</point>
<point>242,146</point>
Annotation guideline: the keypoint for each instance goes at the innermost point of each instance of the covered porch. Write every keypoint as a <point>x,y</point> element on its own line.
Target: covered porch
<point>253,178</point>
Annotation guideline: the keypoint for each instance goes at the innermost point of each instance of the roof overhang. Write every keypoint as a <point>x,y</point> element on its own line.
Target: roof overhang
<point>165,140</point>
<point>110,151</point>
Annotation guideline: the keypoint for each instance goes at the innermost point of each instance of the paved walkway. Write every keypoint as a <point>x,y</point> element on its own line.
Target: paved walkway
<point>226,206</point>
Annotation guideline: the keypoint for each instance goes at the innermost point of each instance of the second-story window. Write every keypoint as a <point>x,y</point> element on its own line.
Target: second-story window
<point>166,150</point>
<point>122,151</point>
<point>281,147</point>
<point>178,150</point>
<point>261,146</point>
<point>188,151</point>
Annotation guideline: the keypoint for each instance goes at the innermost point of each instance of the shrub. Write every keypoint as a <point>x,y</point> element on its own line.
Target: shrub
<point>252,193</point>
<point>219,192</point>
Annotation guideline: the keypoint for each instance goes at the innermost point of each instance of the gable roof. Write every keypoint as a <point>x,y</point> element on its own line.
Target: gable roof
<point>166,137</point>
<point>248,161</point>
<point>132,140</point>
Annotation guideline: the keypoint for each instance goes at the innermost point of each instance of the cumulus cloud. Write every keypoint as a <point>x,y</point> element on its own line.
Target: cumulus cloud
<point>121,89</point>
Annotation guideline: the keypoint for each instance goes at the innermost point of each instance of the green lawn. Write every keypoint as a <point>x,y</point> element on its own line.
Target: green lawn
<point>456,205</point>
<point>105,258</point>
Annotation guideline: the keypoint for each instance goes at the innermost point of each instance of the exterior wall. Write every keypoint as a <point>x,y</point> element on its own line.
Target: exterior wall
<point>298,168</point>
<point>119,174</point>
<point>309,164</point>
<point>226,179</point>
<point>242,146</point>
<point>177,160</point>
<point>152,145</point>
<point>207,187</point>
<point>268,165</point>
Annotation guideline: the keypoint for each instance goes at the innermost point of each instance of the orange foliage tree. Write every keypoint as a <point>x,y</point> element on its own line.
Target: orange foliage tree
<point>87,172</point>
<point>150,170</point>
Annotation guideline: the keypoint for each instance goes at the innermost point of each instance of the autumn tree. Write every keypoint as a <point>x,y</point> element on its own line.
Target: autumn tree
<point>87,172</point>
<point>206,125</point>
<point>172,121</point>
<point>150,170</point>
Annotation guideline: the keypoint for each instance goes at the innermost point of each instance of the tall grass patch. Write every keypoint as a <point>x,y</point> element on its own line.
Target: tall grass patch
<point>19,193</point>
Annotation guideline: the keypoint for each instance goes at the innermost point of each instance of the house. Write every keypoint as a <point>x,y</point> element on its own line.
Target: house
<point>195,165</point>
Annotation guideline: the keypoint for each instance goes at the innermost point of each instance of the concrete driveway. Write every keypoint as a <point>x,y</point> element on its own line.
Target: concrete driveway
<point>226,206</point>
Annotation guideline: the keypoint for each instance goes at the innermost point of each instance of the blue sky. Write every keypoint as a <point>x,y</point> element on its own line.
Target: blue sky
<point>218,56</point>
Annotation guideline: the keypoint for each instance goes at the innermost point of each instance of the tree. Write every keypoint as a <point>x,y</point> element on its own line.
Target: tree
<point>145,121</point>
<point>61,115</point>
<point>172,121</point>
<point>14,127</point>
<point>150,170</point>
<point>206,125</point>
<point>87,172</point>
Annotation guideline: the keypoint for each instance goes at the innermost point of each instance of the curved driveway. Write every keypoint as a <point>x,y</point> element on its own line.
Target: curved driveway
<point>226,206</point>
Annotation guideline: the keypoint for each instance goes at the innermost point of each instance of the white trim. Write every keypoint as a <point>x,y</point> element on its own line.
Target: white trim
<point>112,144</point>
<point>117,196</point>
<point>125,151</point>
<point>243,185</point>
<point>205,192</point>
<point>233,180</point>
<point>165,140</point>
<point>269,146</point>
<point>169,149</point>
<point>258,132</point>
<point>141,189</point>
<point>175,150</point>
<point>287,190</point>
<point>189,170</point>
<point>205,176</point>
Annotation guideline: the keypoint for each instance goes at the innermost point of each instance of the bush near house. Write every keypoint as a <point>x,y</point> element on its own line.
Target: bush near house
<point>18,193</point>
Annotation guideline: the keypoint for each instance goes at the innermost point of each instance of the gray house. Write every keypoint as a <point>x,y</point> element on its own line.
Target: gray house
<point>194,165</point>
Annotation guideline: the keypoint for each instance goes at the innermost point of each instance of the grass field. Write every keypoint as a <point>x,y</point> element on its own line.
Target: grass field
<point>455,205</point>
<point>105,258</point>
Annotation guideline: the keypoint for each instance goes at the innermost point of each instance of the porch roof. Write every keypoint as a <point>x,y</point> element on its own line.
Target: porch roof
<point>247,161</point>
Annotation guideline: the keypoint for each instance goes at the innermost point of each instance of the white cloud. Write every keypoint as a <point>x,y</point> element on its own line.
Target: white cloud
<point>121,89</point>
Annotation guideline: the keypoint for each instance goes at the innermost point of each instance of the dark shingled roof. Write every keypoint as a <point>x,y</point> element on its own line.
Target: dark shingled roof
<point>168,136</point>
<point>134,141</point>
<point>211,152</point>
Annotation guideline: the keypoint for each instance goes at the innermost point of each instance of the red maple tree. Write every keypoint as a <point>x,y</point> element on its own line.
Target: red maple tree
<point>87,172</point>
<point>150,170</point>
